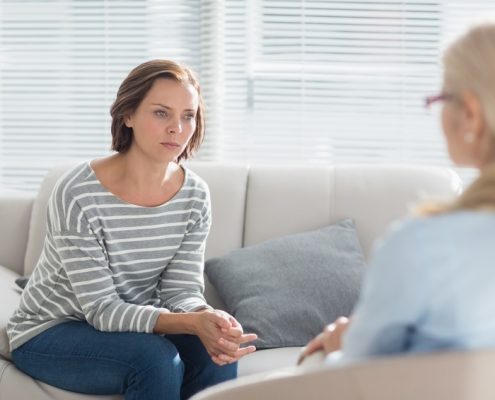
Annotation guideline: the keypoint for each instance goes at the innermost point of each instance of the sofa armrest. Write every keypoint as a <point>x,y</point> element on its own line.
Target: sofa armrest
<point>15,214</point>
<point>11,295</point>
<point>440,376</point>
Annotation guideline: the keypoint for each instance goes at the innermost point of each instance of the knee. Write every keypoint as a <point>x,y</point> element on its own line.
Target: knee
<point>223,373</point>
<point>152,352</point>
<point>215,373</point>
<point>157,370</point>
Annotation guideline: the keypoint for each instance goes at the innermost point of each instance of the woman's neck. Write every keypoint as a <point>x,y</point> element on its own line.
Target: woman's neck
<point>141,183</point>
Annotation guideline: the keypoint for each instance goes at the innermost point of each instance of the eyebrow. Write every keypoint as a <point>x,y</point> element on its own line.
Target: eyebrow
<point>168,108</point>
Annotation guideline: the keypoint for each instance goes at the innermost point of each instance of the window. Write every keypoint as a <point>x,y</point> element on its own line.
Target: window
<point>61,62</point>
<point>285,81</point>
<point>336,81</point>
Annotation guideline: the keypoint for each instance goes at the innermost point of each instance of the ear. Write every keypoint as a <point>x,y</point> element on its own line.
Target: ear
<point>128,121</point>
<point>473,117</point>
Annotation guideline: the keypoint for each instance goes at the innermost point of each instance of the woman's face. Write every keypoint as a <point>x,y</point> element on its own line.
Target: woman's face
<point>165,120</point>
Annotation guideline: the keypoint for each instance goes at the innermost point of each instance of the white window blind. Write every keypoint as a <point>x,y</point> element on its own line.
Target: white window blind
<point>337,81</point>
<point>285,81</point>
<point>61,62</point>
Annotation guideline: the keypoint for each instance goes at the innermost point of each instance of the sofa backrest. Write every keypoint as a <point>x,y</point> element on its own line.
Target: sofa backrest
<point>253,204</point>
<point>284,200</point>
<point>15,214</point>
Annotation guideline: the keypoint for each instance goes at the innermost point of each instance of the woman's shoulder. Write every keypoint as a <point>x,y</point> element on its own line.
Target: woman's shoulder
<point>442,223</point>
<point>196,183</point>
<point>72,179</point>
<point>414,233</point>
<point>71,186</point>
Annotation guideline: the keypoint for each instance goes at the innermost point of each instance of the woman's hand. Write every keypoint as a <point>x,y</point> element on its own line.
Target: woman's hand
<point>222,336</point>
<point>330,339</point>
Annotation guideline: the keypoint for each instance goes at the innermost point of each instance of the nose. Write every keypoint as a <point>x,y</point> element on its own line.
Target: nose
<point>175,126</point>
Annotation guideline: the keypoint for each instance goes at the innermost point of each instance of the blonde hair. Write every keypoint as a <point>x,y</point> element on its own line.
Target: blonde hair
<point>469,64</point>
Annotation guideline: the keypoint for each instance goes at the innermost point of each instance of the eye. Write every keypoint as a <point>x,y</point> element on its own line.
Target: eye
<point>161,113</point>
<point>189,117</point>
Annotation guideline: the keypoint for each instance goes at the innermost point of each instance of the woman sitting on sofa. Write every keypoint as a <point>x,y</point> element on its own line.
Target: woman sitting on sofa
<point>431,284</point>
<point>115,303</point>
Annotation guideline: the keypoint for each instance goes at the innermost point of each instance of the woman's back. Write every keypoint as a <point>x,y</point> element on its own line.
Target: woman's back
<point>430,287</point>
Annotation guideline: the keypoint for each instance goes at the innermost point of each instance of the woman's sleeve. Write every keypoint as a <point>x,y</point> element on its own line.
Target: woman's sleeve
<point>182,282</point>
<point>392,299</point>
<point>84,259</point>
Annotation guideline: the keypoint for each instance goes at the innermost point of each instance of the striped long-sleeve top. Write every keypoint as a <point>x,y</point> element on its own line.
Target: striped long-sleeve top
<point>114,264</point>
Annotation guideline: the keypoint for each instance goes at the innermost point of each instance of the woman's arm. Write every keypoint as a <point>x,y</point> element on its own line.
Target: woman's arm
<point>181,291</point>
<point>182,282</point>
<point>394,296</point>
<point>84,261</point>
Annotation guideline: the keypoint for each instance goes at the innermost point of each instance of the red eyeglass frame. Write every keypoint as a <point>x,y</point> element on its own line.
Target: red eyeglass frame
<point>439,97</point>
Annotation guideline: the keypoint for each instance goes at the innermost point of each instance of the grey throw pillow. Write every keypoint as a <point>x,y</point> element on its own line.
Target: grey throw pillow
<point>287,289</point>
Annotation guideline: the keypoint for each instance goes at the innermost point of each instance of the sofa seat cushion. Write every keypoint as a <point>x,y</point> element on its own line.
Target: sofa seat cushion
<point>268,360</point>
<point>11,295</point>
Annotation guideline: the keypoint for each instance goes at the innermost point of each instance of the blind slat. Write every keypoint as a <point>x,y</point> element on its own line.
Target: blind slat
<point>284,80</point>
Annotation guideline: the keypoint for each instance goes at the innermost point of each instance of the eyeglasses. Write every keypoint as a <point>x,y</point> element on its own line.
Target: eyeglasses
<point>438,98</point>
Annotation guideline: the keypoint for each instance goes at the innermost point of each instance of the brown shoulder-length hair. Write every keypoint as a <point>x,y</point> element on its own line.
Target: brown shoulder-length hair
<point>134,89</point>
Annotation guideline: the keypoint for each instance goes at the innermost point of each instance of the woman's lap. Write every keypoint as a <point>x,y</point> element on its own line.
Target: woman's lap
<point>76,357</point>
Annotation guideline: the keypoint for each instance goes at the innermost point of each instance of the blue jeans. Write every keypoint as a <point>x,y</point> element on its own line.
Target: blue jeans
<point>142,366</point>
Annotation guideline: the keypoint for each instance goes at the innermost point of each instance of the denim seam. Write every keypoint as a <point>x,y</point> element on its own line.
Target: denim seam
<point>28,353</point>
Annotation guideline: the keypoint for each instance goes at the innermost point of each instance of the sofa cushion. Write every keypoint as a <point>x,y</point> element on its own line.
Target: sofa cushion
<point>11,295</point>
<point>287,289</point>
<point>37,229</point>
<point>15,213</point>
<point>268,360</point>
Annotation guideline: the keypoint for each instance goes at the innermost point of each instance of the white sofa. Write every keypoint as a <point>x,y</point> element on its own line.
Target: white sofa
<point>250,204</point>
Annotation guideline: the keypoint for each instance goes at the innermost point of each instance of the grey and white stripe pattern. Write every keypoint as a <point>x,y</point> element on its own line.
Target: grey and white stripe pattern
<point>114,264</point>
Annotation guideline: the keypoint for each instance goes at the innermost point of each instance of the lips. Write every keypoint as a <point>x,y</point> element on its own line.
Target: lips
<point>170,145</point>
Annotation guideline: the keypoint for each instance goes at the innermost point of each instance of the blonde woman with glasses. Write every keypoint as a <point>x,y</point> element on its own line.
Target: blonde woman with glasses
<point>431,283</point>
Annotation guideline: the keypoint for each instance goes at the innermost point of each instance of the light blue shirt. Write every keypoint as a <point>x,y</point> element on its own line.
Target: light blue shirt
<point>430,287</point>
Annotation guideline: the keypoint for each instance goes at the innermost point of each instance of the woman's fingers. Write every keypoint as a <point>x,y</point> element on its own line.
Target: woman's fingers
<point>245,351</point>
<point>234,322</point>
<point>234,331</point>
<point>332,336</point>
<point>231,348</point>
<point>233,344</point>
<point>218,361</point>
<point>314,345</point>
<point>248,337</point>
<point>228,345</point>
<point>241,338</point>
<point>228,359</point>
<point>221,320</point>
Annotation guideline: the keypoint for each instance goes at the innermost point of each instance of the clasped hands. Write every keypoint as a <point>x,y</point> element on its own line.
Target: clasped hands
<point>222,335</point>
